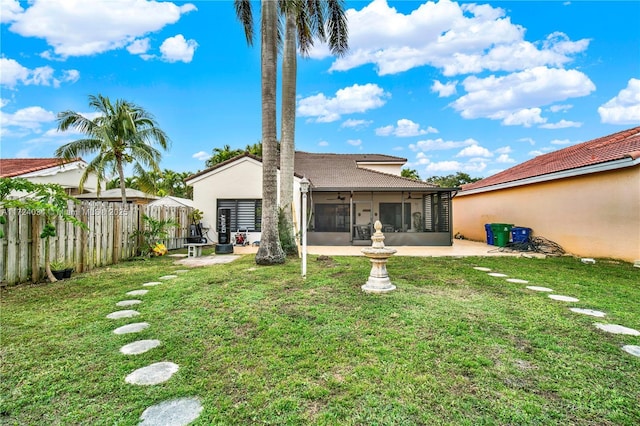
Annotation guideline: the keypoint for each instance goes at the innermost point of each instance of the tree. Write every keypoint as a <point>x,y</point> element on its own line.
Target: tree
<point>163,183</point>
<point>222,154</point>
<point>452,181</point>
<point>47,199</point>
<point>410,174</point>
<point>304,21</point>
<point>123,133</point>
<point>270,251</point>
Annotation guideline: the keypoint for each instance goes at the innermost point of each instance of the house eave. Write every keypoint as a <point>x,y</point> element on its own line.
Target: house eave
<point>628,161</point>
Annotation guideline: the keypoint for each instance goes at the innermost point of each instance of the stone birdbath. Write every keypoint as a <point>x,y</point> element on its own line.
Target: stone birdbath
<point>378,254</point>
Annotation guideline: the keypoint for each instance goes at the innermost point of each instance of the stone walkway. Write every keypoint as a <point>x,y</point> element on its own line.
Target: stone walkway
<point>609,328</point>
<point>173,412</point>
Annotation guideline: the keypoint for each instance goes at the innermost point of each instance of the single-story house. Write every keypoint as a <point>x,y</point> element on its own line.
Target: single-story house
<point>348,194</point>
<point>585,197</point>
<point>65,173</point>
<point>134,196</point>
<point>171,201</point>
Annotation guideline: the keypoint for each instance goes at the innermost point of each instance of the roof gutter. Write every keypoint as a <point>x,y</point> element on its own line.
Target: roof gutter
<point>628,161</point>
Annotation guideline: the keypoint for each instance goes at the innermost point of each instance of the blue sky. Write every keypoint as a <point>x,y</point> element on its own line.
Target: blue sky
<point>473,87</point>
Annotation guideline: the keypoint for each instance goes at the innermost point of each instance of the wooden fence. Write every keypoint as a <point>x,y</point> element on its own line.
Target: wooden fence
<point>109,239</point>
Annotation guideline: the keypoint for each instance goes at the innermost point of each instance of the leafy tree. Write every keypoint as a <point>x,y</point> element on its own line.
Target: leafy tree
<point>304,21</point>
<point>270,251</point>
<point>48,199</point>
<point>453,180</point>
<point>222,154</point>
<point>166,182</point>
<point>123,133</point>
<point>410,173</point>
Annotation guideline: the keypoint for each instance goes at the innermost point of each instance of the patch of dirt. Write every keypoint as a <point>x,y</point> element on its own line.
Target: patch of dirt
<point>326,261</point>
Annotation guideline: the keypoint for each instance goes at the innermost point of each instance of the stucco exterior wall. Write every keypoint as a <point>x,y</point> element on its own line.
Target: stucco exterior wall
<point>595,215</point>
<point>68,178</point>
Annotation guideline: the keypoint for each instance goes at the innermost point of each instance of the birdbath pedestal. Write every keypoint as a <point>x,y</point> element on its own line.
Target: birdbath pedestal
<point>378,254</point>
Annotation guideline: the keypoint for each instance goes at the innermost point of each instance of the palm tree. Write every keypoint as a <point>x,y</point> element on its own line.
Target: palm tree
<point>222,154</point>
<point>123,133</point>
<point>304,21</point>
<point>270,251</point>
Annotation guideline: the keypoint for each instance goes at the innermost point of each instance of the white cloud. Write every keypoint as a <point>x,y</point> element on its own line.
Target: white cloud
<point>444,166</point>
<point>201,155</point>
<point>323,143</point>
<point>30,118</point>
<point>444,90</point>
<point>561,142</point>
<point>530,141</point>
<point>540,151</point>
<point>562,124</point>
<point>515,98</point>
<point>474,151</point>
<point>560,108</point>
<point>352,123</point>
<point>354,142</point>
<point>13,73</point>
<point>624,108</point>
<point>504,158</point>
<point>457,38</point>
<point>11,9</point>
<point>405,128</point>
<point>98,26</point>
<point>440,144</point>
<point>139,46</point>
<point>356,98</point>
<point>504,150</point>
<point>176,49</point>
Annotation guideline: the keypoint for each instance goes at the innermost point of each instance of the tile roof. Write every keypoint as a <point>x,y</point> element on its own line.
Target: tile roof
<point>333,172</point>
<point>601,150</point>
<point>11,167</point>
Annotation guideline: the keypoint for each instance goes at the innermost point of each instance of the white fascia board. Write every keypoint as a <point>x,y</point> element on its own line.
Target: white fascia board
<point>596,168</point>
<point>221,169</point>
<point>51,171</point>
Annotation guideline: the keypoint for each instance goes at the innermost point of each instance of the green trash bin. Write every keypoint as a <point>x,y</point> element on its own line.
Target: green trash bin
<point>501,233</point>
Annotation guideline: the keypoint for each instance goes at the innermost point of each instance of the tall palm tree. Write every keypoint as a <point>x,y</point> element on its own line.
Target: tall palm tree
<point>123,133</point>
<point>270,251</point>
<point>222,154</point>
<point>305,20</point>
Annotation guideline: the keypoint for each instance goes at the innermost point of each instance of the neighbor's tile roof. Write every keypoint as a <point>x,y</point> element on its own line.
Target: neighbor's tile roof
<point>607,148</point>
<point>11,167</point>
<point>341,171</point>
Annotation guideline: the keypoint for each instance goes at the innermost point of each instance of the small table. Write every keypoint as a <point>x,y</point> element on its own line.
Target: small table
<point>194,249</point>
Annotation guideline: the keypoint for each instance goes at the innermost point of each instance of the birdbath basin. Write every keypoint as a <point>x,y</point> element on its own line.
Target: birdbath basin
<point>378,255</point>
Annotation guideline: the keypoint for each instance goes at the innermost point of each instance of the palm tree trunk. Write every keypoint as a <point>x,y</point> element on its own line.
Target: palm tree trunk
<point>123,184</point>
<point>287,141</point>
<point>270,251</point>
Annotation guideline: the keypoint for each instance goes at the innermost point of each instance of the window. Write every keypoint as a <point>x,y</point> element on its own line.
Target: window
<point>391,216</point>
<point>437,208</point>
<point>245,214</point>
<point>331,218</point>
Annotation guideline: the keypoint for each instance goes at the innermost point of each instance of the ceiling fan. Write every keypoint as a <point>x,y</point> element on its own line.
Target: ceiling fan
<point>338,198</point>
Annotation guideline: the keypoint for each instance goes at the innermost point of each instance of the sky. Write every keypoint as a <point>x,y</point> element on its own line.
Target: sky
<point>450,86</point>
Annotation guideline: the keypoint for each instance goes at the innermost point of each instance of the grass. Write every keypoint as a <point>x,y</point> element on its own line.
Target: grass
<point>258,345</point>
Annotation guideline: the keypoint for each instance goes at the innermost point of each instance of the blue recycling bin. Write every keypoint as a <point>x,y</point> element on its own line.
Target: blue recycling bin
<point>489,231</point>
<point>520,234</point>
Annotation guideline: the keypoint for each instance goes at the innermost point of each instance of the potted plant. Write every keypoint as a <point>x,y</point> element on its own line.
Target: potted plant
<point>58,268</point>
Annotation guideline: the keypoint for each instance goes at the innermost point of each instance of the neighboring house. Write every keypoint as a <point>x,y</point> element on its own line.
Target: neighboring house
<point>66,173</point>
<point>585,197</point>
<point>171,201</point>
<point>348,193</point>
<point>115,195</point>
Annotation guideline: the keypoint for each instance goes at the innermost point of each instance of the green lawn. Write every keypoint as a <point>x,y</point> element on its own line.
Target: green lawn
<point>258,345</point>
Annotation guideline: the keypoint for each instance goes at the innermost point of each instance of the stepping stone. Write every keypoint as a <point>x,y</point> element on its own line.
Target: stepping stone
<point>128,302</point>
<point>152,374</point>
<point>139,347</point>
<point>137,292</point>
<point>517,281</point>
<point>167,277</point>
<point>123,314</point>
<point>178,255</point>
<point>482,268</point>
<point>174,412</point>
<point>633,350</point>
<point>131,328</point>
<point>617,329</point>
<point>252,269</point>
<point>590,312</point>
<point>497,274</point>
<point>181,271</point>
<point>563,298</point>
<point>536,288</point>
<point>151,284</point>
